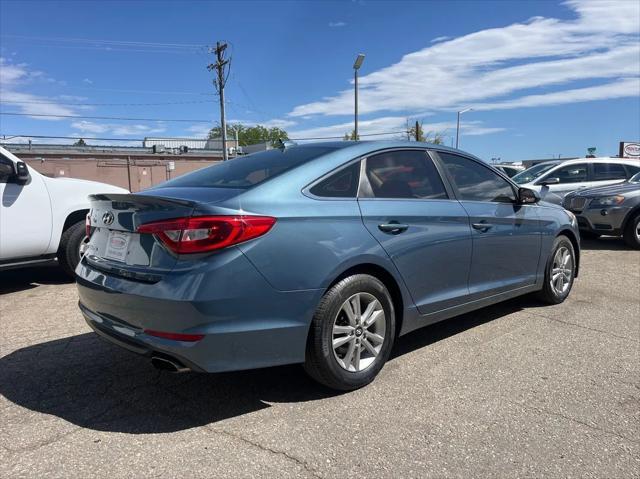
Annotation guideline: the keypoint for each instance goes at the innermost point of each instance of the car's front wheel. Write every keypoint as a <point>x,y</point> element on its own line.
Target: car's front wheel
<point>351,334</point>
<point>632,232</point>
<point>560,272</point>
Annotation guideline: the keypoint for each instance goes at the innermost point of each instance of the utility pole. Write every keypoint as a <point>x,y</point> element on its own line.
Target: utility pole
<point>417,131</point>
<point>356,66</point>
<point>220,82</point>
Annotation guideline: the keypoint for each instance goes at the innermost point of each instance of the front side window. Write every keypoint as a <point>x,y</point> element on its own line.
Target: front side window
<point>404,174</point>
<point>608,171</point>
<point>476,182</point>
<point>570,173</point>
<point>343,184</point>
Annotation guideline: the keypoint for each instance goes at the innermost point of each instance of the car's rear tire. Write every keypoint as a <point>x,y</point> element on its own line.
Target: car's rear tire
<point>351,334</point>
<point>631,233</point>
<point>559,272</point>
<point>69,249</point>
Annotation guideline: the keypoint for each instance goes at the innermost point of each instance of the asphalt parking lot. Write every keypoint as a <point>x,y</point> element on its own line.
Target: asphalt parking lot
<point>514,390</point>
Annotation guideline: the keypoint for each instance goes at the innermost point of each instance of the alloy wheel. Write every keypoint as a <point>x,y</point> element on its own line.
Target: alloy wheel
<point>561,271</point>
<point>358,332</point>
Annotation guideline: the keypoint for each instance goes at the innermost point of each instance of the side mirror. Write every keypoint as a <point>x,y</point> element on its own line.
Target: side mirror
<point>527,196</point>
<point>550,181</point>
<point>22,172</point>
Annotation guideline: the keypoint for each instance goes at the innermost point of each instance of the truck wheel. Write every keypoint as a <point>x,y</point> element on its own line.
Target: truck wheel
<point>70,244</point>
<point>632,232</point>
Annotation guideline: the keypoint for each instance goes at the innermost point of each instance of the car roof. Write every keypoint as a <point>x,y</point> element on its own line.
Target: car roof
<point>600,159</point>
<point>365,146</point>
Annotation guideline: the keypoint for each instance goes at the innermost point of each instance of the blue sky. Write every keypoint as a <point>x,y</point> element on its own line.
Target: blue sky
<point>544,78</point>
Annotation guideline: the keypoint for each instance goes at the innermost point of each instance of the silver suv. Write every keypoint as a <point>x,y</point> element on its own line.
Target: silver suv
<point>555,179</point>
<point>608,210</point>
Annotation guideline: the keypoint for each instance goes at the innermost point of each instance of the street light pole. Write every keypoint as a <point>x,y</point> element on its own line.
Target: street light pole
<point>356,66</point>
<point>458,124</point>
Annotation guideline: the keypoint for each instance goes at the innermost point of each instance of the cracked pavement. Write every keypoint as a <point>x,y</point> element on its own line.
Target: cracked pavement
<point>513,390</point>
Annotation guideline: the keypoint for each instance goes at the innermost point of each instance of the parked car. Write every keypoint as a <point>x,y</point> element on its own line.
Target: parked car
<point>42,218</point>
<point>318,254</point>
<point>554,179</point>
<point>510,170</point>
<point>608,210</point>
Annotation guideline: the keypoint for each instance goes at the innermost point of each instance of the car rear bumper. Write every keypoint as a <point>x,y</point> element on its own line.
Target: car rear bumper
<point>246,323</point>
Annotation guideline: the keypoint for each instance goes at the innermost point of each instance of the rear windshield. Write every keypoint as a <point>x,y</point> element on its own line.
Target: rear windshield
<point>247,171</point>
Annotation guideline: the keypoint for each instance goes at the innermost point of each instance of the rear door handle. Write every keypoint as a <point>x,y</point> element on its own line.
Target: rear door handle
<point>393,228</point>
<point>482,227</point>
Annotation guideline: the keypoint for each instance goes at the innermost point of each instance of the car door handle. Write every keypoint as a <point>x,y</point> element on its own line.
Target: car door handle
<point>393,228</point>
<point>482,227</point>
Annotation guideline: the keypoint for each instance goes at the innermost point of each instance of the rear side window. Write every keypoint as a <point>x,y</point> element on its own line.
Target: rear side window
<point>476,182</point>
<point>343,184</point>
<point>247,171</point>
<point>608,171</point>
<point>404,174</point>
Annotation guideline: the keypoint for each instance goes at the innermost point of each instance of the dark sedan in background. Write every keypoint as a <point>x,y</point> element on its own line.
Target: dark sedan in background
<point>612,210</point>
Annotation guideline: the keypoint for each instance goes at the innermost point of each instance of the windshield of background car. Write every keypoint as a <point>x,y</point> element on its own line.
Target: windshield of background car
<point>635,178</point>
<point>247,171</point>
<point>530,174</point>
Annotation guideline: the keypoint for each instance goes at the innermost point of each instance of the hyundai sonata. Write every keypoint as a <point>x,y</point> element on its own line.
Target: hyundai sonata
<point>320,254</point>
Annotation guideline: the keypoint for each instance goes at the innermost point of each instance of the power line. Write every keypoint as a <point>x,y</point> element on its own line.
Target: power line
<point>105,117</point>
<point>175,138</point>
<point>54,102</point>
<point>109,42</point>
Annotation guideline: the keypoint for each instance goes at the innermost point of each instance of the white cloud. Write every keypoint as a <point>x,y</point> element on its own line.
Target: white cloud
<point>14,77</point>
<point>392,127</point>
<point>88,81</point>
<point>498,64</point>
<point>337,24</point>
<point>117,129</point>
<point>440,39</point>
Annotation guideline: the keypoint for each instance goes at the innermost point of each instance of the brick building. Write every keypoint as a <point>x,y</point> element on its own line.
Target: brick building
<point>133,168</point>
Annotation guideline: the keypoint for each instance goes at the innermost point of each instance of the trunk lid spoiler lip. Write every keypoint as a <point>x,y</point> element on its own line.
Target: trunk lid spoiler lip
<point>141,199</point>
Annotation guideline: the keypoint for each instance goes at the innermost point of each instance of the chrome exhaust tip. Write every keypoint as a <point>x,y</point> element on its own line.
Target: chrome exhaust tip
<point>166,364</point>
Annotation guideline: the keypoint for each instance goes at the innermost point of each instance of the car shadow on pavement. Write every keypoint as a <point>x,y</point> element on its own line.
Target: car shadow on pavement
<point>91,383</point>
<point>15,280</point>
<point>607,243</point>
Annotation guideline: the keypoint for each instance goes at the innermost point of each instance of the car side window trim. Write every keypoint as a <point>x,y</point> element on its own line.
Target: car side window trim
<point>443,170</point>
<point>307,189</point>
<point>365,190</point>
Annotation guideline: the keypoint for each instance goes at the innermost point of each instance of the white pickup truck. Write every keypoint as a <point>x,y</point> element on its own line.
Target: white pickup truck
<point>42,218</point>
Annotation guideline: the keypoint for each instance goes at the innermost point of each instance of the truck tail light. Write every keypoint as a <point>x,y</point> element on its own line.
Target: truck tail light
<point>200,234</point>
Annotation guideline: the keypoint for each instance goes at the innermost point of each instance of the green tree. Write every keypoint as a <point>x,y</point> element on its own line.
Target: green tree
<point>437,138</point>
<point>80,142</point>
<point>351,136</point>
<point>250,135</point>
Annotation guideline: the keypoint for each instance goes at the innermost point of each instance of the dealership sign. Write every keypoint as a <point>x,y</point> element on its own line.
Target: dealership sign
<point>629,150</point>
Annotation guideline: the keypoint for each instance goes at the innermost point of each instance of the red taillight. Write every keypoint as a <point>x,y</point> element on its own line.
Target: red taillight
<point>87,225</point>
<point>174,336</point>
<point>199,234</point>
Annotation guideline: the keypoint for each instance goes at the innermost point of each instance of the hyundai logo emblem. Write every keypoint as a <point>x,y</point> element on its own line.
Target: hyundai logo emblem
<point>107,218</point>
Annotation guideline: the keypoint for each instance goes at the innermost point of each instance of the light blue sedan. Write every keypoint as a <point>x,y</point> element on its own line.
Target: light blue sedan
<point>320,254</point>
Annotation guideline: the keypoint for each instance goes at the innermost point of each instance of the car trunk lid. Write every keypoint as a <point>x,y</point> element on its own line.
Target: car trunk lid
<point>116,246</point>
